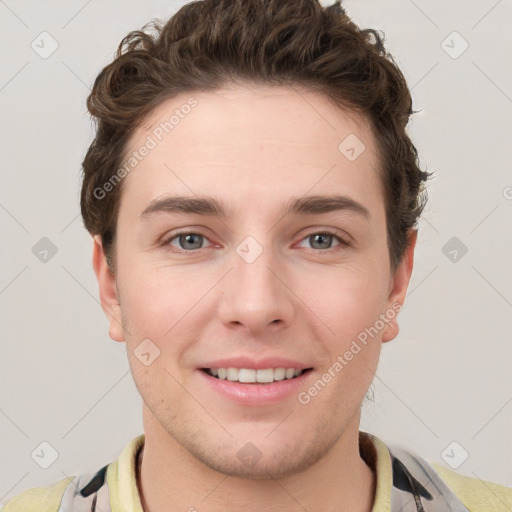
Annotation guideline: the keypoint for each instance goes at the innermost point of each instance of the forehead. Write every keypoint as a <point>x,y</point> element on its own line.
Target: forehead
<point>283,112</point>
<point>251,140</point>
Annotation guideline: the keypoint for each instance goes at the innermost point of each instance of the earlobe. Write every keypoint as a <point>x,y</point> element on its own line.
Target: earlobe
<point>108,291</point>
<point>398,287</point>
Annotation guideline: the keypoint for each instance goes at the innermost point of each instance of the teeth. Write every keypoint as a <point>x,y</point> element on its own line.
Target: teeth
<point>248,375</point>
<point>279,374</point>
<point>232,374</point>
<point>263,375</point>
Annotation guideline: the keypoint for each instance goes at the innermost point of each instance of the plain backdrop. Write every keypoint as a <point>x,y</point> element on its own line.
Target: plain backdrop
<point>443,387</point>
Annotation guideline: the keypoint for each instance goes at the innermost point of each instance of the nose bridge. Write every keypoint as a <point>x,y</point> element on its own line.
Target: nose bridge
<point>253,294</point>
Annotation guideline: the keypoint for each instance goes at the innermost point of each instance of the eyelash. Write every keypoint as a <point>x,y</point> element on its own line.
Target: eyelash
<point>343,242</point>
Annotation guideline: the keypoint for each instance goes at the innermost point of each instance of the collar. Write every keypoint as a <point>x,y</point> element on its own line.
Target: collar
<point>124,493</point>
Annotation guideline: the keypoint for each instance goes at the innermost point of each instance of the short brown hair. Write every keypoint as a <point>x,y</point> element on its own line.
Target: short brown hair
<point>210,43</point>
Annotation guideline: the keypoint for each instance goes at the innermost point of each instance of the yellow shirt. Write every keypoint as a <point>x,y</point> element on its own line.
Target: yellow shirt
<point>122,495</point>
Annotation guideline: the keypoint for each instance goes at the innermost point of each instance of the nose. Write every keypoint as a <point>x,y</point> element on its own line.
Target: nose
<point>255,294</point>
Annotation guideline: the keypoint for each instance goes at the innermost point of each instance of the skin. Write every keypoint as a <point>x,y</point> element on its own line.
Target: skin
<point>252,147</point>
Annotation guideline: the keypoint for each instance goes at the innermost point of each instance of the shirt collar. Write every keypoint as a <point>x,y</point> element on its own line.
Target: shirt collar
<point>124,494</point>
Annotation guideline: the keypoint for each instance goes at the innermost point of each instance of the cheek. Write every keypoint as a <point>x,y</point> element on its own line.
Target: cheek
<point>158,385</point>
<point>162,305</point>
<point>155,298</point>
<point>347,298</point>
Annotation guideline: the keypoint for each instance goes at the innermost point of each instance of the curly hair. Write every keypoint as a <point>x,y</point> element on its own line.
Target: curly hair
<point>210,43</point>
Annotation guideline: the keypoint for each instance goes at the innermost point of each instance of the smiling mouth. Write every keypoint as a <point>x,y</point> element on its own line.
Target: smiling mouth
<point>252,376</point>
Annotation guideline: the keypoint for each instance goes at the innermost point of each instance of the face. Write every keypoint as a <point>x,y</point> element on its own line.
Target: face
<point>277,261</point>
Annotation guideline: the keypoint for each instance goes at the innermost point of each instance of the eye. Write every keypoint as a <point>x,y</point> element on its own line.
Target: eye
<point>323,240</point>
<point>187,241</point>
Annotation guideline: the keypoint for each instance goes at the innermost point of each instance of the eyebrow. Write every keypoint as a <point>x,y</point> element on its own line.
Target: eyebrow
<point>208,206</point>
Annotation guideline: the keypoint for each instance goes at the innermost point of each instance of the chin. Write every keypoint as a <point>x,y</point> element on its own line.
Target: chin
<point>260,457</point>
<point>284,463</point>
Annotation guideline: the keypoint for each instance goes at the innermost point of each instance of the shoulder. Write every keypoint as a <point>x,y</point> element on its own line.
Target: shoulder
<point>42,499</point>
<point>476,494</point>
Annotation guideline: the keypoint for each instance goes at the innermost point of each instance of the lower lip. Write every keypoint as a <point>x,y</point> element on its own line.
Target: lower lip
<point>256,394</point>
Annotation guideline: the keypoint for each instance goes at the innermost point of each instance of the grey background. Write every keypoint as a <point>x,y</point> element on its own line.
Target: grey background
<point>445,378</point>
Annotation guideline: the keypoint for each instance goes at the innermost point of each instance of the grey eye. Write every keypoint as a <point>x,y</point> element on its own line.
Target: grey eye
<point>323,240</point>
<point>188,241</point>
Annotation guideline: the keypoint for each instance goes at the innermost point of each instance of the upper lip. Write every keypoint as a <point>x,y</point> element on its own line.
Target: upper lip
<point>255,364</point>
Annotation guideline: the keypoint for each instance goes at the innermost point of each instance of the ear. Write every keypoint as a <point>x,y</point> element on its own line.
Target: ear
<point>108,291</point>
<point>399,283</point>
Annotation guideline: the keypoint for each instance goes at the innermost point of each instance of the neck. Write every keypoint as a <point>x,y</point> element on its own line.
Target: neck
<point>169,478</point>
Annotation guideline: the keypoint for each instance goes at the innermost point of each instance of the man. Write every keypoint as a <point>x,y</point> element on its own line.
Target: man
<point>252,194</point>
